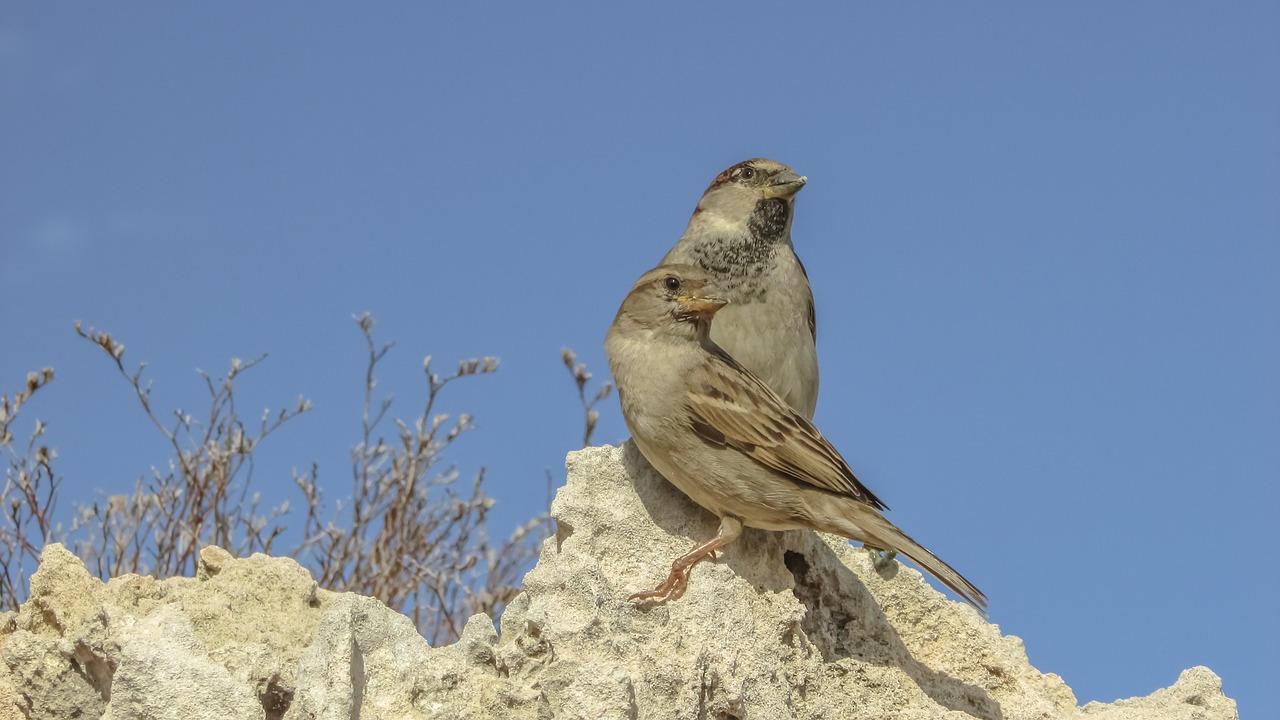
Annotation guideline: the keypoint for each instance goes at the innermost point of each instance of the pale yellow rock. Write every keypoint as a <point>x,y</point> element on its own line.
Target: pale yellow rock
<point>253,617</point>
<point>1196,694</point>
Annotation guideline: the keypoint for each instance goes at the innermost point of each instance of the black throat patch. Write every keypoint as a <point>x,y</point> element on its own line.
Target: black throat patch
<point>741,261</point>
<point>769,220</point>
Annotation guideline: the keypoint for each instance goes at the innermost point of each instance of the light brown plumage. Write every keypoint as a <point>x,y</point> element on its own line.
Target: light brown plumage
<point>727,440</point>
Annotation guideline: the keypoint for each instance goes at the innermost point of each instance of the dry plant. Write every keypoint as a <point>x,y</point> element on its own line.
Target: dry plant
<point>204,496</point>
<point>29,495</point>
<point>411,536</point>
<point>410,533</point>
<point>580,378</point>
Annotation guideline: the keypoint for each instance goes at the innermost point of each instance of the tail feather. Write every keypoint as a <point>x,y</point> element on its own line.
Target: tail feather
<point>891,538</point>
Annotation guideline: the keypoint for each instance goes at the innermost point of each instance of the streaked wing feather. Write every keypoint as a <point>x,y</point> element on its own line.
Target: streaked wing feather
<point>731,407</point>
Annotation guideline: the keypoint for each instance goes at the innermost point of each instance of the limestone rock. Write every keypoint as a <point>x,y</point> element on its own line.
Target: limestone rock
<point>76,637</point>
<point>165,672</point>
<point>782,625</point>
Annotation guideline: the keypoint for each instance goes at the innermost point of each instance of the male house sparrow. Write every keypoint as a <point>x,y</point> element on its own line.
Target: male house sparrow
<point>727,440</point>
<point>740,233</point>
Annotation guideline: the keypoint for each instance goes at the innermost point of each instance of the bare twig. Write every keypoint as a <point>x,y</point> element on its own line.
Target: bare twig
<point>203,498</point>
<point>580,377</point>
<point>29,495</point>
<point>408,535</point>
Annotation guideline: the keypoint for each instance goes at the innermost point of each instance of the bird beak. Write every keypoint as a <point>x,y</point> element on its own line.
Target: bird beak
<point>703,304</point>
<point>785,185</point>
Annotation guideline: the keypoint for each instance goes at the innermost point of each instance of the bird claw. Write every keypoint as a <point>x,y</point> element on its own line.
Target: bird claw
<point>671,589</point>
<point>674,587</point>
<point>677,582</point>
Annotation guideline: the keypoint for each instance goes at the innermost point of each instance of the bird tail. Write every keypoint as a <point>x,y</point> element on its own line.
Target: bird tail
<point>886,536</point>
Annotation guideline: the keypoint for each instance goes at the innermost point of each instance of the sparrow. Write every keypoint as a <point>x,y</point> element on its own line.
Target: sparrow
<point>720,434</point>
<point>740,234</point>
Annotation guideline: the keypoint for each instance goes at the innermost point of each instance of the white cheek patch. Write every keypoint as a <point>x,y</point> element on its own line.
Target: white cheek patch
<point>721,224</point>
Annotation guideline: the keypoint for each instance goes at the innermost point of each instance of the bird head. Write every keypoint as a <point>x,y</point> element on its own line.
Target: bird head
<point>754,196</point>
<point>757,178</point>
<point>679,293</point>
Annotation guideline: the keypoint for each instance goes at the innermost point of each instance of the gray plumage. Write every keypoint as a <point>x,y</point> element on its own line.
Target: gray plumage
<point>740,234</point>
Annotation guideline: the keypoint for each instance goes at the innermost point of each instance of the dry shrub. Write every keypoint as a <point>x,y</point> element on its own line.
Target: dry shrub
<point>30,493</point>
<point>411,532</point>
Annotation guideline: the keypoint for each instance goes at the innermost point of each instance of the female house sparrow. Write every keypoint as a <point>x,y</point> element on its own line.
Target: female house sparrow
<point>740,233</point>
<point>727,440</point>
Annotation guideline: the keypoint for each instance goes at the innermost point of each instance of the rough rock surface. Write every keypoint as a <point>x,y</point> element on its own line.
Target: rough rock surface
<point>783,625</point>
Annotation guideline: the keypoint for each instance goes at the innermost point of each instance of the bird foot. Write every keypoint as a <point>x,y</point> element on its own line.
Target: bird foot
<point>881,559</point>
<point>678,581</point>
<point>673,588</point>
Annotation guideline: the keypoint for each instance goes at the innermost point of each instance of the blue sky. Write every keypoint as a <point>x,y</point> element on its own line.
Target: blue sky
<point>1044,241</point>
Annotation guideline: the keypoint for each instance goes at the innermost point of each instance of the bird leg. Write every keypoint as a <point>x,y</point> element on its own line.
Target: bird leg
<point>678,581</point>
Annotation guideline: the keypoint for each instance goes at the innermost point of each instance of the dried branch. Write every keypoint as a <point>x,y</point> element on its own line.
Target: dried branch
<point>580,378</point>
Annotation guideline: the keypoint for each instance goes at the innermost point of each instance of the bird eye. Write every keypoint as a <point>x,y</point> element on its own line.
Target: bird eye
<point>746,173</point>
<point>672,283</point>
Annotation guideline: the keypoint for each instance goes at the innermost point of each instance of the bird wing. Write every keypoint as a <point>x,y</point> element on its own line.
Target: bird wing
<point>813,312</point>
<point>731,407</point>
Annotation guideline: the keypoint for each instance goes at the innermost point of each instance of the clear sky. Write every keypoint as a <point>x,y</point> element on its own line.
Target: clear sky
<point>1044,239</point>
